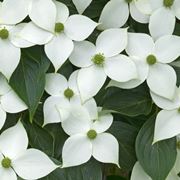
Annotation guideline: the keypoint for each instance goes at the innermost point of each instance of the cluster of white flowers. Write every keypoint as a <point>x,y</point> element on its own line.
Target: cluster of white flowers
<point>128,59</point>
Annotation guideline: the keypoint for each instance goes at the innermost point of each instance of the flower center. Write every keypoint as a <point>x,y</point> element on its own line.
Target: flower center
<point>178,144</point>
<point>59,27</point>
<point>91,134</point>
<point>4,33</point>
<point>68,93</point>
<point>168,3</point>
<point>6,162</point>
<point>128,1</point>
<point>151,59</point>
<point>179,110</point>
<point>98,59</point>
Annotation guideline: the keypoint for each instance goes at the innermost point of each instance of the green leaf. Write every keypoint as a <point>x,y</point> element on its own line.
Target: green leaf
<point>28,80</point>
<point>132,102</point>
<point>115,178</point>
<point>158,159</point>
<point>126,136</point>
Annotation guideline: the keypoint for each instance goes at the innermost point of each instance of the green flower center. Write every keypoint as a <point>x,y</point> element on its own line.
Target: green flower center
<point>4,33</point>
<point>178,144</point>
<point>98,59</point>
<point>91,134</point>
<point>59,27</point>
<point>168,3</point>
<point>128,1</point>
<point>68,93</point>
<point>6,162</point>
<point>151,59</point>
<point>179,110</point>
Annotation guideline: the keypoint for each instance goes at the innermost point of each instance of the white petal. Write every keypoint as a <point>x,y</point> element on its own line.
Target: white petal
<point>10,57</point>
<point>103,123</point>
<point>144,6</point>
<point>56,84</point>
<point>173,176</point>
<point>81,5</point>
<point>162,22</point>
<point>11,103</point>
<point>79,27</point>
<point>82,54</point>
<point>13,13</point>
<point>59,49</point>
<point>162,80</point>
<point>112,41</point>
<point>34,34</point>
<point>51,109</point>
<point>120,68</point>
<point>16,38</point>
<point>7,174</point>
<point>43,14</point>
<point>167,125</point>
<point>72,82</point>
<point>165,103</point>
<point>2,117</point>
<point>76,150</point>
<point>138,173</point>
<point>106,148</point>
<point>4,86</point>
<point>62,12</point>
<point>13,141</point>
<point>167,48</point>
<point>33,164</point>
<point>176,8</point>
<point>78,121</point>
<point>140,45</point>
<point>142,70</point>
<point>90,80</point>
<point>91,106</point>
<point>112,10</point>
<point>138,15</point>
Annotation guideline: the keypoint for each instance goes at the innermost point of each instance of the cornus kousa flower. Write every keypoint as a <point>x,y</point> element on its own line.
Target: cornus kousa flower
<point>116,13</point>
<point>81,5</point>
<point>102,60</point>
<point>64,94</point>
<point>9,101</point>
<point>58,38</point>
<point>88,138</point>
<point>152,60</point>
<point>163,15</point>
<point>17,159</point>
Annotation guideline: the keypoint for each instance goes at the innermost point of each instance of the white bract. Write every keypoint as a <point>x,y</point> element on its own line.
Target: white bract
<point>9,101</point>
<point>64,94</point>
<point>116,13</point>
<point>81,5</point>
<point>163,15</point>
<point>98,62</point>
<point>10,42</point>
<point>151,59</point>
<point>15,158</point>
<point>88,138</point>
<point>58,38</point>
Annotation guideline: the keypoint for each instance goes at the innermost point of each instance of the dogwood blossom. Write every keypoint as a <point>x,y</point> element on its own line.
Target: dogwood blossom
<point>163,15</point>
<point>102,60</point>
<point>64,94</point>
<point>81,5</point>
<point>88,138</point>
<point>9,101</point>
<point>116,13</point>
<point>17,159</point>
<point>64,29</point>
<point>151,59</point>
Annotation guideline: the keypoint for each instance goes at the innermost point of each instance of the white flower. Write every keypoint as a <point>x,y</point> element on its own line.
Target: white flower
<point>151,59</point>
<point>64,94</point>
<point>59,37</point>
<point>9,42</point>
<point>9,101</point>
<point>116,13</point>
<point>138,173</point>
<point>81,5</point>
<point>163,15</point>
<point>88,138</point>
<point>167,123</point>
<point>102,60</point>
<point>15,158</point>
